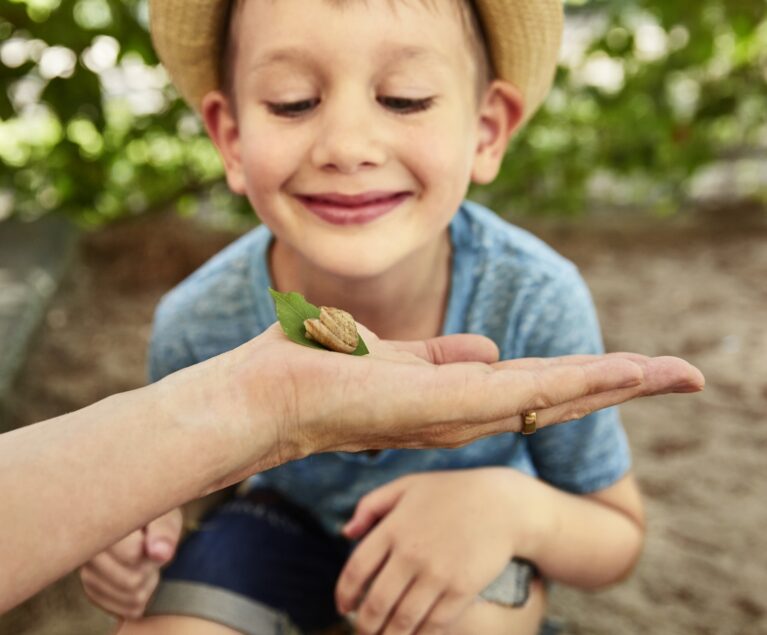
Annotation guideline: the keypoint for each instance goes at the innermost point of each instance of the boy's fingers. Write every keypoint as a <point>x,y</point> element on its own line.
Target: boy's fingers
<point>125,604</point>
<point>161,536</point>
<point>116,575</point>
<point>369,556</point>
<point>443,614</point>
<point>388,586</point>
<point>109,604</point>
<point>130,550</point>
<point>373,506</point>
<point>447,349</point>
<point>413,608</point>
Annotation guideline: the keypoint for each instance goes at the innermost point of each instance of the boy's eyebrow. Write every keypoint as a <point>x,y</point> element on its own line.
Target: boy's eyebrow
<point>404,53</point>
<point>392,54</point>
<point>286,54</point>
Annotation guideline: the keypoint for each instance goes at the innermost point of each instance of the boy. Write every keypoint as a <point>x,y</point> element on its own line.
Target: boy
<point>354,128</point>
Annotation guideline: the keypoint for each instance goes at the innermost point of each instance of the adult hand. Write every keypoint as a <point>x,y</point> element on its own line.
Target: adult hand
<point>443,392</point>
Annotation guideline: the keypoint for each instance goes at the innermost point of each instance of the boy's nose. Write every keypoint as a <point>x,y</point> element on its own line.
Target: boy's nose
<point>348,142</point>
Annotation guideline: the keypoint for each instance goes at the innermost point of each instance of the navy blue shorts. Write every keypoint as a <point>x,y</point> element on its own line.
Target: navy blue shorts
<point>258,564</point>
<point>263,566</point>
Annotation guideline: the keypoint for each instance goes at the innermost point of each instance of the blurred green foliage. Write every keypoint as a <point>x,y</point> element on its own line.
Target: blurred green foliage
<point>655,91</point>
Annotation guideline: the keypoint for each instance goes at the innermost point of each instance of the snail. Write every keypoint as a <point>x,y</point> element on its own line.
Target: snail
<point>334,329</point>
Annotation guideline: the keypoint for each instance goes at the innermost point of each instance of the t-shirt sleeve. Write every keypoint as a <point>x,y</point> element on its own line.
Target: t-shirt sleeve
<point>592,453</point>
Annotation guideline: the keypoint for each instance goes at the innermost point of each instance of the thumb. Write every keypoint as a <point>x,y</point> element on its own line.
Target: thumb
<point>161,536</point>
<point>374,506</point>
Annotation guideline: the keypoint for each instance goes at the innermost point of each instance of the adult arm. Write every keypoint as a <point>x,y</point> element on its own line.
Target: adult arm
<point>75,484</point>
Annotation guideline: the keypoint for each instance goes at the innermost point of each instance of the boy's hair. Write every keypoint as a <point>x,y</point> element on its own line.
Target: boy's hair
<point>470,22</point>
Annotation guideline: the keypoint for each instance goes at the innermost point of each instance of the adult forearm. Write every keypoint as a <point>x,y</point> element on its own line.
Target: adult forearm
<point>73,485</point>
<point>576,540</point>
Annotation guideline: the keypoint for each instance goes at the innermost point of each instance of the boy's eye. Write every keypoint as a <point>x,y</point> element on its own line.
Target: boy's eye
<point>292,108</point>
<point>404,105</point>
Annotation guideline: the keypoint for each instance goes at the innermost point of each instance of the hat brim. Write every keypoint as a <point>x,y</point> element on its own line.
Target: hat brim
<point>523,38</point>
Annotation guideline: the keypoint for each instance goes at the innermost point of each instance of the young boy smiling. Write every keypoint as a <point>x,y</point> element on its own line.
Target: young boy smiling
<point>354,129</point>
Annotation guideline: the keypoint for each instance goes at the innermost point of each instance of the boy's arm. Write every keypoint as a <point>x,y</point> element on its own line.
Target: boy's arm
<point>404,571</point>
<point>588,541</point>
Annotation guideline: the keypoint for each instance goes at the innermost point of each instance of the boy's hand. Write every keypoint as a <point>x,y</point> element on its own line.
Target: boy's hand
<point>121,579</point>
<point>442,538</point>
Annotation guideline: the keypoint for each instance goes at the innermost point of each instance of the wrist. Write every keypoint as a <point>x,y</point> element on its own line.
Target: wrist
<point>531,514</point>
<point>210,406</point>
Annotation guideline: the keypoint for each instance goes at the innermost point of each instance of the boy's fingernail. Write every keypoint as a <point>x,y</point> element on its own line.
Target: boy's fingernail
<point>162,549</point>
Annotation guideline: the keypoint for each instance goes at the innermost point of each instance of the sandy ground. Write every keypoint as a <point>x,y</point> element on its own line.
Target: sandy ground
<point>696,290</point>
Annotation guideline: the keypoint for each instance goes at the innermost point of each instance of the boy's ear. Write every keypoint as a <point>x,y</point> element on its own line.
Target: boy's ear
<point>221,123</point>
<point>500,113</point>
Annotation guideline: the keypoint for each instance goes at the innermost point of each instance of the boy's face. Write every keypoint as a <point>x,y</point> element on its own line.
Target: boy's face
<point>357,127</point>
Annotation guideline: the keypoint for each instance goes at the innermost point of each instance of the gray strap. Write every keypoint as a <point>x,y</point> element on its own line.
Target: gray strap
<point>512,587</point>
<point>225,607</point>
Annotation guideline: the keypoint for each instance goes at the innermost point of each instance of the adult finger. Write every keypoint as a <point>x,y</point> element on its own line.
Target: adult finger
<point>663,375</point>
<point>549,385</point>
<point>660,374</point>
<point>447,349</point>
<point>445,406</point>
<point>510,391</point>
<point>670,374</point>
<point>161,536</point>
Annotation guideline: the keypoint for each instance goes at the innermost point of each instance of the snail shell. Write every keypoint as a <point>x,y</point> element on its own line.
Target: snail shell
<point>334,329</point>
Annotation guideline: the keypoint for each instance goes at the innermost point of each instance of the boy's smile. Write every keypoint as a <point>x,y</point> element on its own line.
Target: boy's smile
<point>357,128</point>
<point>351,209</point>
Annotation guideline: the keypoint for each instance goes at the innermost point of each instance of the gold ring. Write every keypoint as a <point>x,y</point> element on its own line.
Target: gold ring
<point>529,420</point>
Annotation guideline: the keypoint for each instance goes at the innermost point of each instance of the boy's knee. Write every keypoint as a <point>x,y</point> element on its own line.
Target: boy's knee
<point>174,625</point>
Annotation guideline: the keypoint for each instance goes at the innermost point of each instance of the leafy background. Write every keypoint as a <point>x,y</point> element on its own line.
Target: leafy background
<point>657,106</point>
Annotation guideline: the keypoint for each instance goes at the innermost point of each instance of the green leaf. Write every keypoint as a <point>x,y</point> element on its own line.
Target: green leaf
<point>361,348</point>
<point>292,309</point>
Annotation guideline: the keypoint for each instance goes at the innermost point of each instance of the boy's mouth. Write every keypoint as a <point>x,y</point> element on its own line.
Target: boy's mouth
<point>352,209</point>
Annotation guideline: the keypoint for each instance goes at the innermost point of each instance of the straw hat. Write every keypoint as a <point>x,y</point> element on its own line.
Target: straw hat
<point>523,37</point>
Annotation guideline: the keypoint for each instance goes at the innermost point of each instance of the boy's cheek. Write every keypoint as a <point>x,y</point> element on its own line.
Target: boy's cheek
<point>235,180</point>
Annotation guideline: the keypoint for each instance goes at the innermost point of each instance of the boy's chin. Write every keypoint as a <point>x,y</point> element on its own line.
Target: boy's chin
<point>357,267</point>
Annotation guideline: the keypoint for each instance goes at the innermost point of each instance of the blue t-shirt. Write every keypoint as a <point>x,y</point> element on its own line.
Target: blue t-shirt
<point>505,284</point>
